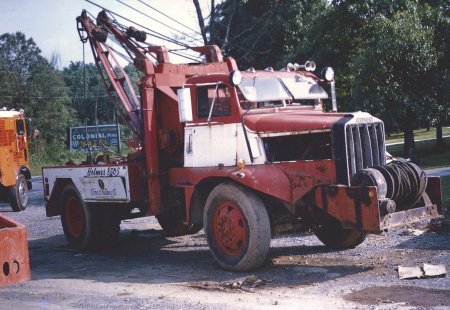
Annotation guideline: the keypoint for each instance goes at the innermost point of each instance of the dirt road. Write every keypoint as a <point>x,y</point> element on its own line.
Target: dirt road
<point>148,271</point>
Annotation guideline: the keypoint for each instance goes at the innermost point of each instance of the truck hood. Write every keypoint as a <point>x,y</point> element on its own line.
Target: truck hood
<point>292,121</point>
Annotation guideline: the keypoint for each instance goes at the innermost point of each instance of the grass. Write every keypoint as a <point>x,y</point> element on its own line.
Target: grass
<point>418,134</point>
<point>427,155</point>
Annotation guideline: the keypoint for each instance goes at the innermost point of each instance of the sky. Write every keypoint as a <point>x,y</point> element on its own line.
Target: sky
<point>52,25</point>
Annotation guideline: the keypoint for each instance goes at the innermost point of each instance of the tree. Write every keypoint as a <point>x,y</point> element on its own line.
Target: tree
<point>438,18</point>
<point>261,33</point>
<point>391,77</point>
<point>29,82</point>
<point>17,55</point>
<point>48,102</point>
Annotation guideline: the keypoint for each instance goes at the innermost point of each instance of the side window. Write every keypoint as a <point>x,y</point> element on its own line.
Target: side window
<point>20,127</point>
<point>217,93</point>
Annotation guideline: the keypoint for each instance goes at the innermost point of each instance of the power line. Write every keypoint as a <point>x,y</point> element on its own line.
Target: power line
<point>151,7</point>
<point>158,21</point>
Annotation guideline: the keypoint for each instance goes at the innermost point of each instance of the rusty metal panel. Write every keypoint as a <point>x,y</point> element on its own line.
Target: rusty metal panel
<point>354,207</point>
<point>14,259</point>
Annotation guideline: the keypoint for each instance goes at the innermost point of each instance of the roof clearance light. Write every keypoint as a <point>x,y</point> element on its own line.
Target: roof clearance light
<point>328,73</point>
<point>235,77</point>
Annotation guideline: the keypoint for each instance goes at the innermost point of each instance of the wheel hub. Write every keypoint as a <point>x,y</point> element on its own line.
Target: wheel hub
<point>229,228</point>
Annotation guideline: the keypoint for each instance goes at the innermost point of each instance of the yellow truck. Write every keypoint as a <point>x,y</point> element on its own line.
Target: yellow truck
<point>15,175</point>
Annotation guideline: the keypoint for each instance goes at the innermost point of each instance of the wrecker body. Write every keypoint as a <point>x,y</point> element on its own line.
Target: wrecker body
<point>15,176</point>
<point>242,154</point>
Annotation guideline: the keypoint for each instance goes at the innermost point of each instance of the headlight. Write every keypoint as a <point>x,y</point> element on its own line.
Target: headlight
<point>235,77</point>
<point>328,74</point>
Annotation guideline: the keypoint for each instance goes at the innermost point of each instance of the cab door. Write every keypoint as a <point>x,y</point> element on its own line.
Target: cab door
<point>211,139</point>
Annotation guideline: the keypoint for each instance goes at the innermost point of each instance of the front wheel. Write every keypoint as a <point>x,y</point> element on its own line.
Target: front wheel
<point>237,227</point>
<point>18,194</point>
<point>333,235</point>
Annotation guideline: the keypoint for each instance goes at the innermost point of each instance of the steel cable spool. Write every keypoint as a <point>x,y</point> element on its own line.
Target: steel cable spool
<point>417,182</point>
<point>405,182</point>
<point>396,185</point>
<point>390,185</point>
<point>371,177</point>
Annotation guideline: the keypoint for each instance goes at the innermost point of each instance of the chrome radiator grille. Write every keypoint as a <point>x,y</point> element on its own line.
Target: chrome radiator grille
<point>365,146</point>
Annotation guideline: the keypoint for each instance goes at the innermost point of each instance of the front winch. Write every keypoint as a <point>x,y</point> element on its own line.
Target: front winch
<point>400,184</point>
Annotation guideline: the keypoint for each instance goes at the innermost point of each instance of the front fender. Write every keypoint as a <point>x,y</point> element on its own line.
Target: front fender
<point>268,179</point>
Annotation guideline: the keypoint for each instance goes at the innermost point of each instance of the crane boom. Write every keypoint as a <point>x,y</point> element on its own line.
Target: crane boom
<point>113,75</point>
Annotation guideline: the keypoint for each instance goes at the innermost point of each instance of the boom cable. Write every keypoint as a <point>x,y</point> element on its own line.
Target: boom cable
<point>160,22</point>
<point>162,36</point>
<point>151,7</point>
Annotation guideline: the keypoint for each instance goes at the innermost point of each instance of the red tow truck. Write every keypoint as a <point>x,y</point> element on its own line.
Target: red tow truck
<point>240,153</point>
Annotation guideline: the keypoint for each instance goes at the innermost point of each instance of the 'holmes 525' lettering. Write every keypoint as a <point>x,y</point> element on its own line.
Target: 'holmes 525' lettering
<point>103,172</point>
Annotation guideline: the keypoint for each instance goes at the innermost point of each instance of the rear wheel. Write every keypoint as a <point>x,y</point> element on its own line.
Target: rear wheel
<point>86,226</point>
<point>237,227</point>
<point>18,194</point>
<point>334,236</point>
<point>76,219</point>
<point>173,226</point>
<point>172,219</point>
<point>107,221</point>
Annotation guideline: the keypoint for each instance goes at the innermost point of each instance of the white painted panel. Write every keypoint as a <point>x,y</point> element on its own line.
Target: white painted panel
<point>256,144</point>
<point>210,145</point>
<point>95,184</point>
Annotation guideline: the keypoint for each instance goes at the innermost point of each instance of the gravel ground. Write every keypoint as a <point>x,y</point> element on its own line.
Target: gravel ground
<point>148,271</point>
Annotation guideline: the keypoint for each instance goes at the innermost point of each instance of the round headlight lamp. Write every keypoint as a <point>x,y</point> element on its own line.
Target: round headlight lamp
<point>235,77</point>
<point>328,74</point>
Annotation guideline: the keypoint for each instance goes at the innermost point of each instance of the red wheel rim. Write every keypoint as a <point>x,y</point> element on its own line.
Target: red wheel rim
<point>74,216</point>
<point>229,227</point>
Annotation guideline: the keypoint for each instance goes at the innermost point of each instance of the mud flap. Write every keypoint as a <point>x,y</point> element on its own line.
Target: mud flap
<point>14,259</point>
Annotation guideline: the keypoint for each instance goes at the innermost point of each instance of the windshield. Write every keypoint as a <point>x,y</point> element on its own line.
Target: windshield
<point>274,91</point>
<point>302,87</point>
<point>266,89</point>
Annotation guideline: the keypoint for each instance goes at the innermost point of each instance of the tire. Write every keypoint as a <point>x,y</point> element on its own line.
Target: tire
<point>77,219</point>
<point>107,226</point>
<point>237,227</point>
<point>87,226</point>
<point>334,236</point>
<point>18,194</point>
<point>173,226</point>
<point>172,218</point>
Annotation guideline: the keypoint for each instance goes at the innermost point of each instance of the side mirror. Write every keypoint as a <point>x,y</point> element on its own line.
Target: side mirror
<point>184,104</point>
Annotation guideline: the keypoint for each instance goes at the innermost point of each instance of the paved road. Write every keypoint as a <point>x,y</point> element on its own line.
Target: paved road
<point>440,172</point>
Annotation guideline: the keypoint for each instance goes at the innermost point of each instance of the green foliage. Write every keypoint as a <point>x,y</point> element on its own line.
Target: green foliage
<point>258,33</point>
<point>395,84</point>
<point>391,57</point>
<point>29,82</point>
<point>88,95</point>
